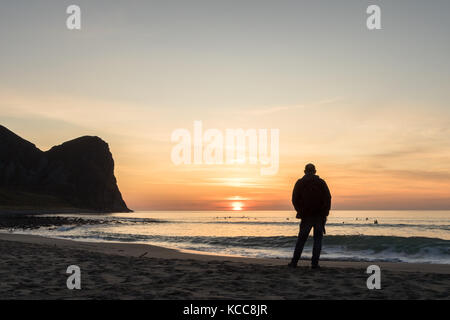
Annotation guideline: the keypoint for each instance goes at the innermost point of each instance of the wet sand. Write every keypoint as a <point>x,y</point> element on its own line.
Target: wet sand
<point>33,267</point>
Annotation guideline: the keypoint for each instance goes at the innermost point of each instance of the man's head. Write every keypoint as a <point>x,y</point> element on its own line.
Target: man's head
<point>310,169</point>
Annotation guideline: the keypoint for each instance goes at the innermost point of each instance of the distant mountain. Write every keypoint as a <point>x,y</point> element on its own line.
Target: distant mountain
<point>77,175</point>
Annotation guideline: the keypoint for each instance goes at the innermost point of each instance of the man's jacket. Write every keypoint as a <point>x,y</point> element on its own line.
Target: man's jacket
<point>311,197</point>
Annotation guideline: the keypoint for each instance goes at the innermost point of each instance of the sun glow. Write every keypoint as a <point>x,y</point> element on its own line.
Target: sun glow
<point>237,206</point>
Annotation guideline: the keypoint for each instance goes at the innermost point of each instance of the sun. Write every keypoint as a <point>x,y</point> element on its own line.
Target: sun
<point>237,206</point>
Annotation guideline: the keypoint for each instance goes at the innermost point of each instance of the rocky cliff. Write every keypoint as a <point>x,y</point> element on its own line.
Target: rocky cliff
<point>76,175</point>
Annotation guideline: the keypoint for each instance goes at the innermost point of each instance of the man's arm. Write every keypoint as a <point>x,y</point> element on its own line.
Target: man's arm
<point>327,205</point>
<point>296,196</point>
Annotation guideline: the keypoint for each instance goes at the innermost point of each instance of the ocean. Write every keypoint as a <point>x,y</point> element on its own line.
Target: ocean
<point>398,236</point>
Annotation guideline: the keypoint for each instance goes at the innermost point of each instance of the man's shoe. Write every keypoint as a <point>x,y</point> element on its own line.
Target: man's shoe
<point>292,265</point>
<point>315,266</point>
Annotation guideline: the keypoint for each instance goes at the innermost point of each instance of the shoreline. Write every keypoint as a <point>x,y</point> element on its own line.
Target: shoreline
<point>153,251</point>
<point>34,267</point>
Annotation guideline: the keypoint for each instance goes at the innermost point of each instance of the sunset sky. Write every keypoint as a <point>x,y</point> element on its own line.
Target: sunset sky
<point>369,108</point>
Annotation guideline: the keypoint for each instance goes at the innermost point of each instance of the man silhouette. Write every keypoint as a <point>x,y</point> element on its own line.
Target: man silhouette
<point>312,201</point>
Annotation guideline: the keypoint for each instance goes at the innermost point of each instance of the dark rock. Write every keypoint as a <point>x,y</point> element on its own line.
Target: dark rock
<point>78,174</point>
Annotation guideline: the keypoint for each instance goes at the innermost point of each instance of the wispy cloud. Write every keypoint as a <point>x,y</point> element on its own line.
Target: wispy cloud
<point>275,109</point>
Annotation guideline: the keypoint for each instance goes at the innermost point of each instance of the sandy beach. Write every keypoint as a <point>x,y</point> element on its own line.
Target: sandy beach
<point>34,267</point>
